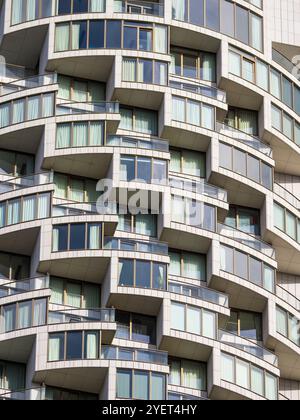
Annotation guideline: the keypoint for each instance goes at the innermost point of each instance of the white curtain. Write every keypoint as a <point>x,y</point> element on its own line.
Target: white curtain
<point>4,115</point>
<point>175,372</point>
<point>178,316</point>
<point>275,83</point>
<point>25,314</point>
<point>178,209</point>
<point>161,73</point>
<point>77,192</point>
<point>55,343</point>
<point>17,15</point>
<point>178,105</point>
<point>191,375</point>
<point>33,107</point>
<point>97,5</point>
<point>227,368</point>
<point>129,69</point>
<point>61,186</point>
<point>126,119</point>
<point>57,290</point>
<point>75,35</point>
<point>234,63</point>
<point>193,112</point>
<point>62,37</point>
<point>208,67</point>
<point>63,136</point>
<point>39,314</point>
<point>91,296</point>
<point>175,164</point>
<point>179,9</point>
<point>146,224</point>
<point>2,214</point>
<point>193,320</point>
<point>207,116</point>
<point>80,134</point>
<point>242,373</point>
<point>257,380</point>
<point>80,91</point>
<point>64,87</point>
<point>146,122</point>
<point>160,39</point>
<point>9,317</point>
<point>13,216</point>
<point>193,266</point>
<point>141,385</point>
<point>281,322</point>
<point>18,111</point>
<point>48,105</point>
<point>43,205</point>
<point>175,264</point>
<point>262,75</point>
<point>96,134</point>
<point>209,324</point>
<point>256,31</point>
<point>74,295</point>
<point>94,236</point>
<point>31,10</point>
<point>55,239</point>
<point>91,345</point>
<point>28,208</point>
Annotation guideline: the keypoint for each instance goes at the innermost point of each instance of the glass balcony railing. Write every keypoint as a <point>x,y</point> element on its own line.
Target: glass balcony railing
<point>121,244</point>
<point>74,209</point>
<point>72,108</point>
<point>251,141</point>
<point>199,292</point>
<point>282,61</point>
<point>246,239</point>
<point>199,187</point>
<point>209,91</point>
<point>11,71</point>
<point>134,355</point>
<point>23,286</point>
<point>183,397</point>
<point>28,83</point>
<point>81,315</point>
<point>287,196</point>
<point>36,394</point>
<point>248,346</point>
<point>139,7</point>
<point>14,184</point>
<point>287,297</point>
<point>139,143</point>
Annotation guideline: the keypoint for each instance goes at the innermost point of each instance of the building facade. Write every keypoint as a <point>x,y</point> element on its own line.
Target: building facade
<point>190,110</point>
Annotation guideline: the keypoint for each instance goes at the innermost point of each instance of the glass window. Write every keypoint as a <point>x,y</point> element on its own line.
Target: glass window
<point>257,380</point>
<point>141,385</point>
<point>77,236</point>
<point>126,273</point>
<point>279,217</point>
<point>287,93</point>
<point>158,387</point>
<point>275,83</point>
<point>212,15</point>
<point>193,320</point>
<point>281,321</point>
<point>227,259</point>
<point>242,373</point>
<point>113,34</point>
<point>177,316</point>
<point>241,264</point>
<point>228,368</point>
<point>143,274</point>
<point>74,345</point>
<point>271,387</point>
<point>239,162</point>
<point>234,62</point>
<point>227,18</point>
<point>124,380</point>
<point>242,24</point>
<point>56,347</point>
<point>262,75</point>
<point>96,34</point>
<point>255,271</point>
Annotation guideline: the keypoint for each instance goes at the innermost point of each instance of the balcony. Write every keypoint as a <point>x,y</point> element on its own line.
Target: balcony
<point>249,140</point>
<point>248,346</point>
<point>199,187</point>
<point>28,83</point>
<point>24,286</point>
<point>287,297</point>
<point>73,108</point>
<point>14,184</point>
<point>287,196</point>
<point>151,247</point>
<point>138,143</point>
<point>140,7</point>
<point>200,89</point>
<point>134,355</point>
<point>81,315</point>
<point>246,239</point>
<point>199,292</point>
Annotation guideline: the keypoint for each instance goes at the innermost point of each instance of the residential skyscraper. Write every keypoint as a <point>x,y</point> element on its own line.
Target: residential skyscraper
<point>184,283</point>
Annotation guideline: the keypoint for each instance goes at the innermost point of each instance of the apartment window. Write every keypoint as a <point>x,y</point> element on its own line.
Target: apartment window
<point>141,224</point>
<point>282,122</point>
<point>188,374</point>
<point>134,327</point>
<point>16,164</point>
<point>142,274</point>
<point>145,71</point>
<point>77,236</point>
<point>193,112</point>
<point>80,90</point>
<point>74,345</point>
<point>23,315</point>
<point>140,385</point>
<point>114,34</point>
<point>142,169</point>
<point>243,120</point>
<point>25,209</point>
<point>245,219</point>
<point>245,324</point>
<point>13,266</point>
<point>80,134</point>
<point>12,376</point>
<point>188,265</point>
<point>287,325</point>
<point>222,15</point>
<point>140,120</point>
<point>67,7</point>
<point>287,222</point>
<point>57,394</point>
<point>246,165</point>
<point>75,188</point>
<point>247,267</point>
<point>26,109</point>
<point>73,293</point>
<point>193,213</point>
<point>188,162</point>
<point>248,376</point>
<point>193,64</point>
<point>193,320</point>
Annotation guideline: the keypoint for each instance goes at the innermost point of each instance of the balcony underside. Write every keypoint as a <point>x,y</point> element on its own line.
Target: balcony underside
<point>78,379</point>
<point>17,349</point>
<point>241,96</point>
<point>287,252</point>
<point>17,46</point>
<point>187,241</point>
<point>142,304</point>
<point>288,359</point>
<point>25,140</point>
<point>21,241</point>
<point>185,349</point>
<point>193,39</point>
<point>223,394</point>
<point>139,97</point>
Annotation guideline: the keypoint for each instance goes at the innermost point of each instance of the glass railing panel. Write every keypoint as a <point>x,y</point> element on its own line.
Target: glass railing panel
<point>81,315</point>
<point>246,239</point>
<point>140,143</point>
<point>201,89</point>
<point>28,83</point>
<point>248,346</point>
<point>243,137</point>
<point>139,7</point>
<point>135,246</point>
<point>287,297</point>
<point>13,184</point>
<point>282,61</point>
<point>198,292</point>
<point>199,187</point>
<point>72,108</point>
<point>134,355</point>
<point>23,286</point>
<point>287,196</point>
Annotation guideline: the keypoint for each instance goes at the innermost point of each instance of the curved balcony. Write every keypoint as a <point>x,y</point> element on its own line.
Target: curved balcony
<point>188,85</point>
<point>149,247</point>
<point>13,288</point>
<point>287,297</point>
<point>31,82</point>
<point>151,143</point>
<point>9,184</point>
<point>287,196</point>
<point>248,347</point>
<point>135,7</point>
